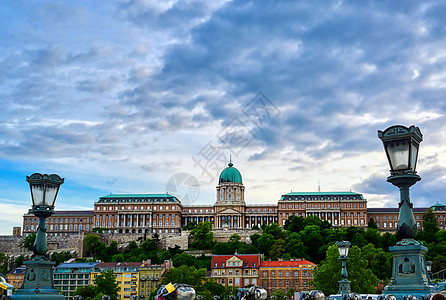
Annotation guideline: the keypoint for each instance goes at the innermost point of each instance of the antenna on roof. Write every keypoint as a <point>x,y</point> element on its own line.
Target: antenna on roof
<point>318,185</point>
<point>230,158</point>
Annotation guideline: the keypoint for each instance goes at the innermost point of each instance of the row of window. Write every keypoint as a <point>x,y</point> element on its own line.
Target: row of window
<point>62,227</point>
<point>124,200</point>
<point>302,206</point>
<point>280,283</point>
<point>112,208</point>
<point>56,220</point>
<point>235,264</point>
<point>236,281</point>
<point>122,223</point>
<point>357,197</point>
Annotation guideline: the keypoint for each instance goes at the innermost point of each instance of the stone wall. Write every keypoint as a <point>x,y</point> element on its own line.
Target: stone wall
<point>12,245</point>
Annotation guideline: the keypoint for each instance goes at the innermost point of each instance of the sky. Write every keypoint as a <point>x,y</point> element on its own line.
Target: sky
<point>146,96</point>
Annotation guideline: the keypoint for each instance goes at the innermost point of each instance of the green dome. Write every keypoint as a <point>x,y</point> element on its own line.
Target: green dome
<point>230,174</point>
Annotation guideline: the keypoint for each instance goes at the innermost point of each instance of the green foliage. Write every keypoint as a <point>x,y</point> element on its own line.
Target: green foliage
<point>372,224</point>
<point>19,261</point>
<point>28,243</point>
<point>186,274</point>
<point>85,291</point>
<point>60,257</point>
<point>430,227</point>
<point>279,294</point>
<point>3,263</point>
<point>277,249</point>
<point>182,259</point>
<point>106,283</point>
<point>190,226</point>
<point>202,236</point>
<point>328,274</point>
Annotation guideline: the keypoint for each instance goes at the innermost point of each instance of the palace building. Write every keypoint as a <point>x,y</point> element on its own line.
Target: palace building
<point>165,214</point>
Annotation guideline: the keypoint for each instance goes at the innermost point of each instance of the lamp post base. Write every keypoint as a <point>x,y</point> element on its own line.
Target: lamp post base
<point>409,275</point>
<point>38,283</point>
<point>344,286</point>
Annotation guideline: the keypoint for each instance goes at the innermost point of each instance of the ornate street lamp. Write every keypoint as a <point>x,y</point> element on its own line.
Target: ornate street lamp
<point>409,272</point>
<point>401,145</point>
<point>344,283</point>
<point>38,282</point>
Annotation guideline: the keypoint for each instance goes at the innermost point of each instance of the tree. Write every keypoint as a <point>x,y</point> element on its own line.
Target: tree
<point>106,283</point>
<point>372,224</point>
<point>264,242</point>
<point>190,226</point>
<point>278,294</point>
<point>275,230</point>
<point>202,236</point>
<point>93,244</point>
<point>430,227</point>
<point>19,261</point>
<point>328,274</point>
<point>183,259</point>
<point>85,291</point>
<point>28,243</point>
<point>277,249</point>
<point>187,275</point>
<point>60,257</point>
<point>295,247</point>
<point>3,263</point>
<point>294,223</point>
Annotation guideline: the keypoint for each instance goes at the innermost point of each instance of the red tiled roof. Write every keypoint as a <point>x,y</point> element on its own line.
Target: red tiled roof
<point>285,263</point>
<point>114,264</point>
<point>246,258</point>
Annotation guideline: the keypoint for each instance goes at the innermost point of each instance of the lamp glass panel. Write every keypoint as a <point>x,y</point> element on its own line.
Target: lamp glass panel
<point>343,250</point>
<point>50,195</point>
<point>37,191</point>
<point>428,267</point>
<point>413,157</point>
<point>399,155</point>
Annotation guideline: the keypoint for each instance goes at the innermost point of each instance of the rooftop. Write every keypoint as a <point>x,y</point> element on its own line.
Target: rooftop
<point>322,196</point>
<point>249,259</point>
<point>138,198</point>
<point>76,265</point>
<point>285,263</point>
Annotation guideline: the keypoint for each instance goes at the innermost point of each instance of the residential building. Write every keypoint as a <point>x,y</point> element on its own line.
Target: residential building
<point>17,276</point>
<point>237,270</point>
<point>127,277</point>
<point>284,275</point>
<point>150,277</point>
<point>68,277</point>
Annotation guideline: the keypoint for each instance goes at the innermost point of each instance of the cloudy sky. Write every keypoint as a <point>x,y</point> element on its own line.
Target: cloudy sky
<point>121,96</point>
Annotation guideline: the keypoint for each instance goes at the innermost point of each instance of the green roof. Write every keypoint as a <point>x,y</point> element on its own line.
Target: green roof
<point>137,198</point>
<point>438,205</point>
<point>230,174</point>
<point>320,194</point>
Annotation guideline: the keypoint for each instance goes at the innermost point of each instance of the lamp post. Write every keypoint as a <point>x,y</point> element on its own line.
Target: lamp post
<point>429,269</point>
<point>344,283</point>
<point>409,272</point>
<point>38,282</point>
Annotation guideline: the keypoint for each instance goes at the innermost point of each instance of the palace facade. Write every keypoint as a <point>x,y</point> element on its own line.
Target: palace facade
<point>165,214</point>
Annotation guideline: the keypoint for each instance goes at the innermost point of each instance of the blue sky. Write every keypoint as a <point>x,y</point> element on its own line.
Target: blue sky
<point>119,96</point>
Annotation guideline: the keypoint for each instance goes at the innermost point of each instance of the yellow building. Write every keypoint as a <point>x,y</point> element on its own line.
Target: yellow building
<point>150,277</point>
<point>16,277</point>
<point>127,277</point>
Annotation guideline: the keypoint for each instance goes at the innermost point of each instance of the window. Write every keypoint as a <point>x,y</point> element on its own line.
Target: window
<point>287,274</point>
<point>296,273</point>
<point>280,273</point>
